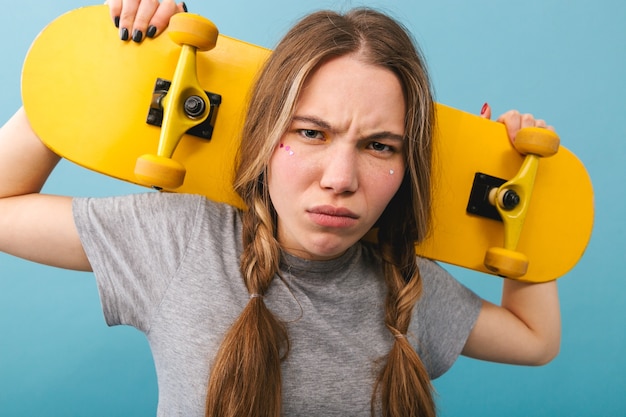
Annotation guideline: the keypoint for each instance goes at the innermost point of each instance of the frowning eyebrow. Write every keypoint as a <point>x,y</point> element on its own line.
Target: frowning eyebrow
<point>314,121</point>
<point>323,125</point>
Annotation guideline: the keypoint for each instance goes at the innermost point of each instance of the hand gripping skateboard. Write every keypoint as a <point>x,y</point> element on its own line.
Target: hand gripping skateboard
<point>167,113</point>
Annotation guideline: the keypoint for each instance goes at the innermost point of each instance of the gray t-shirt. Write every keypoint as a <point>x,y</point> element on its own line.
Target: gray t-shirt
<point>168,264</point>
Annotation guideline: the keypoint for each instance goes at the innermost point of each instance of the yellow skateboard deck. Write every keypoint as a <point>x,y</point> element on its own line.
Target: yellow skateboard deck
<point>98,101</point>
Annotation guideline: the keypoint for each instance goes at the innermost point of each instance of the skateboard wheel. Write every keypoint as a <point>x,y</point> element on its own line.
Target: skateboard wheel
<point>506,263</point>
<point>194,30</point>
<point>537,141</point>
<point>159,172</point>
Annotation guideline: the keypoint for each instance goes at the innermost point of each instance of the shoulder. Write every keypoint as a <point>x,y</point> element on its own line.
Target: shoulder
<point>148,205</point>
<point>439,283</point>
<point>141,202</point>
<point>164,217</point>
<point>444,317</point>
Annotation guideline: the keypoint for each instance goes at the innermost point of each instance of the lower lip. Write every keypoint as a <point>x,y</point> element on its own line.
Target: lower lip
<point>326,220</point>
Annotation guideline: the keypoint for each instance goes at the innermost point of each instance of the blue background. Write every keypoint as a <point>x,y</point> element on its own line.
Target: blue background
<point>564,61</point>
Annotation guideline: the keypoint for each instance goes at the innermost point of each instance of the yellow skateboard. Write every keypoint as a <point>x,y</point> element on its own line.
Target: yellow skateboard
<point>167,113</point>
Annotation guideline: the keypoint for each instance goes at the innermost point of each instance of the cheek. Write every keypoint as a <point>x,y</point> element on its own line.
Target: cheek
<point>283,163</point>
<point>284,174</point>
<point>383,183</point>
<point>294,164</point>
<point>387,173</point>
<point>275,171</point>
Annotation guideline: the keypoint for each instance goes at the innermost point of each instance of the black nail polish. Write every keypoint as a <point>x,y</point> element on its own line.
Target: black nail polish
<point>185,7</point>
<point>137,35</point>
<point>124,34</point>
<point>117,21</point>
<point>151,31</point>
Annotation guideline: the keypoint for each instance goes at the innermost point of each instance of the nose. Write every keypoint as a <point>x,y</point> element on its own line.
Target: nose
<point>339,170</point>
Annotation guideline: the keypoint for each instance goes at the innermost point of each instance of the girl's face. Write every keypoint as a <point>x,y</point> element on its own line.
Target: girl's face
<point>340,161</point>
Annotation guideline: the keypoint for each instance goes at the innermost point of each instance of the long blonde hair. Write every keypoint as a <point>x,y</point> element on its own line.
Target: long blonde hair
<point>246,375</point>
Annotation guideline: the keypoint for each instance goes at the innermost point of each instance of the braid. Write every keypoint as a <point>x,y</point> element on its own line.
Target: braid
<point>246,377</point>
<point>403,385</point>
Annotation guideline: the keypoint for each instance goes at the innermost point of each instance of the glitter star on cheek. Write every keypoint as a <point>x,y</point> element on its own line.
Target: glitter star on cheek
<point>287,148</point>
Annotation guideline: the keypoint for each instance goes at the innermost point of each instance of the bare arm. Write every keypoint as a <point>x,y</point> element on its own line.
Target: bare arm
<point>33,226</point>
<point>526,328</point>
<point>40,227</point>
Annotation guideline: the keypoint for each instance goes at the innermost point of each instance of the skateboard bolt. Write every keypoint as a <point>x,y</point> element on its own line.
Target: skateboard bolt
<point>510,200</point>
<point>162,84</point>
<point>195,106</point>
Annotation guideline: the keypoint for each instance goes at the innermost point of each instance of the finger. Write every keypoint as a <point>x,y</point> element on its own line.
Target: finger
<point>486,111</point>
<point>127,18</point>
<point>528,120</point>
<point>115,9</point>
<point>542,123</point>
<point>513,122</point>
<point>144,15</point>
<point>162,16</point>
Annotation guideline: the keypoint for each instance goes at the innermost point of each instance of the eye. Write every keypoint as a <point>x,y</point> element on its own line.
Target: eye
<point>311,133</point>
<point>381,147</point>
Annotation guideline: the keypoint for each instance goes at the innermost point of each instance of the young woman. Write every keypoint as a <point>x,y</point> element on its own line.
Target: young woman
<point>283,309</point>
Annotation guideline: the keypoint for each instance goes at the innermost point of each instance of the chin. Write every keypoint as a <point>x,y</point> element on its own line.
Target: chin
<point>329,250</point>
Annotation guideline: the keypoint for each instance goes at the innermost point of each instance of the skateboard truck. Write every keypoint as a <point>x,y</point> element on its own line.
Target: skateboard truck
<point>194,107</point>
<point>185,106</point>
<point>511,199</point>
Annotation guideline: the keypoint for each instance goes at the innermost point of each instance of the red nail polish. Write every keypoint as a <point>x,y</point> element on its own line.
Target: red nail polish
<point>484,109</point>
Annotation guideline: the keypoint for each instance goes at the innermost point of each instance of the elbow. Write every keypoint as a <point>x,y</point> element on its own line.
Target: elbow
<point>545,359</point>
<point>545,353</point>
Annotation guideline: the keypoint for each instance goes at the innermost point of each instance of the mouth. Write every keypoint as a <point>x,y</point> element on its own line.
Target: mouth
<point>334,217</point>
<point>333,211</point>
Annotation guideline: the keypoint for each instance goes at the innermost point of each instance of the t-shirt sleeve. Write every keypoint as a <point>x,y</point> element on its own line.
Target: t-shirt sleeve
<point>447,312</point>
<point>135,244</point>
